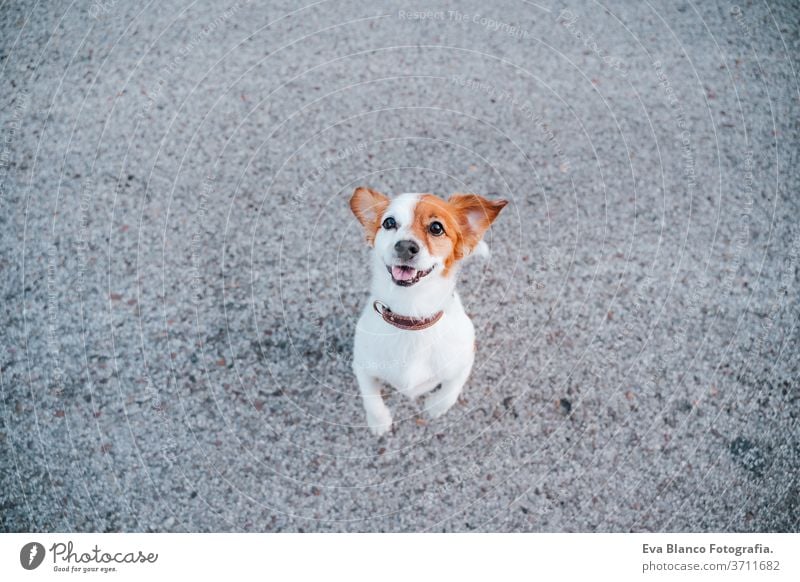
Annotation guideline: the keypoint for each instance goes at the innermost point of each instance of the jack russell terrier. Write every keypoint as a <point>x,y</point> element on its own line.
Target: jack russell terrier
<point>413,333</point>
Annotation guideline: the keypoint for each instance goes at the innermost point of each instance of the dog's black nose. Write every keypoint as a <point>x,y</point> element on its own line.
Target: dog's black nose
<point>406,249</point>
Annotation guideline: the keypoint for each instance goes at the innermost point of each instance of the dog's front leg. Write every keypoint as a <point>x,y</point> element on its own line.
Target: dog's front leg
<point>379,418</point>
<point>445,397</point>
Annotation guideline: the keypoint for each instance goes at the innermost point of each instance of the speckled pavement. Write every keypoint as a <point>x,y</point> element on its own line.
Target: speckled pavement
<point>181,274</point>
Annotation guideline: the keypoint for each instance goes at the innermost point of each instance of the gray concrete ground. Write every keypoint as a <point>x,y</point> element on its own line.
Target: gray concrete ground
<point>181,273</point>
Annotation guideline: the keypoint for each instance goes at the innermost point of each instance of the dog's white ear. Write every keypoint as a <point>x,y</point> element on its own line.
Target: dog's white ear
<point>369,205</point>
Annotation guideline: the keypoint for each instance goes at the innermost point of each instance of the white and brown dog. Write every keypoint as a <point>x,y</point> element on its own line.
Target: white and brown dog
<point>413,333</point>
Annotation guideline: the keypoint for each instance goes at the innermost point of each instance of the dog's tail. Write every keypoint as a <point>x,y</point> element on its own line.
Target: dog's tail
<point>481,250</point>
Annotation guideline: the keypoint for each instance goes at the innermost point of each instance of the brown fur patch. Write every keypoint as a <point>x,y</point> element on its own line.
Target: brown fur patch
<point>475,215</point>
<point>368,206</point>
<point>465,218</point>
<point>430,209</point>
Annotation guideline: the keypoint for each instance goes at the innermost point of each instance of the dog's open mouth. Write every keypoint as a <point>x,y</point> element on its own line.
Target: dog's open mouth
<point>406,276</point>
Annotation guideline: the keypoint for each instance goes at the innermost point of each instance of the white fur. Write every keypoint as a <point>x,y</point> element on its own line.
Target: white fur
<point>413,362</point>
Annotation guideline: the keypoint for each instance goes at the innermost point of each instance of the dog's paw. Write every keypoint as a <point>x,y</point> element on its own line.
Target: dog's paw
<point>436,406</point>
<point>379,420</point>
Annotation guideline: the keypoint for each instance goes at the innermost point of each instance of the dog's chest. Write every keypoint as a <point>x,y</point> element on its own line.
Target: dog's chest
<point>415,362</point>
<point>412,365</point>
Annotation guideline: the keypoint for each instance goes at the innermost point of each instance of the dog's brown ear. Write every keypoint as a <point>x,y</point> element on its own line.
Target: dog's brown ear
<point>475,215</point>
<point>368,206</point>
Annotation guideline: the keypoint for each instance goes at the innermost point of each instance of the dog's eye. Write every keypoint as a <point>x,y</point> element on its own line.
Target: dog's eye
<point>436,229</point>
<point>389,223</point>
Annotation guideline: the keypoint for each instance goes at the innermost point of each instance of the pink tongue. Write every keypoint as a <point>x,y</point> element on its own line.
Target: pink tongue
<point>403,274</point>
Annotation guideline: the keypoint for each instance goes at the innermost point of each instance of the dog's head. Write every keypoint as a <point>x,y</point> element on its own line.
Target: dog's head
<point>419,237</point>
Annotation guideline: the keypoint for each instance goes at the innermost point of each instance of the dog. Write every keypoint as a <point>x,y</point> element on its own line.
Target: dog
<point>414,334</point>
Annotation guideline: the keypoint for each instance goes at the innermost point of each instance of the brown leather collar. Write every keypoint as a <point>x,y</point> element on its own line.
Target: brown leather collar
<point>404,322</point>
